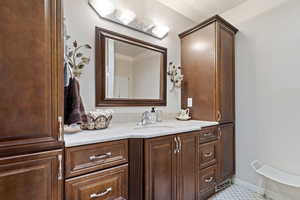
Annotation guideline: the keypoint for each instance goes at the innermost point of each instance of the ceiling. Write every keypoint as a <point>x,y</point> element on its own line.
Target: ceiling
<point>198,10</point>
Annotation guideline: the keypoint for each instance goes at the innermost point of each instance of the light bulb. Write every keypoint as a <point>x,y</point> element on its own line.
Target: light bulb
<point>160,30</point>
<point>126,16</point>
<point>103,7</point>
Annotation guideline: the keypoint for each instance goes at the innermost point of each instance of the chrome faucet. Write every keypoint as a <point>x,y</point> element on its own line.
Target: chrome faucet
<point>145,119</point>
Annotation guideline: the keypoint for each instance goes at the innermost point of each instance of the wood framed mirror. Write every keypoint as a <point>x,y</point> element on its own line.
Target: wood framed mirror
<point>129,72</point>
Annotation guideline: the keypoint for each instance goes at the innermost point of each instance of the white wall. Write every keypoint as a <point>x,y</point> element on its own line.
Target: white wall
<point>81,21</point>
<point>268,88</point>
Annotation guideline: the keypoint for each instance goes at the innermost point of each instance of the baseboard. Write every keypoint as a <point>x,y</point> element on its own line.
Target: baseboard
<point>271,195</point>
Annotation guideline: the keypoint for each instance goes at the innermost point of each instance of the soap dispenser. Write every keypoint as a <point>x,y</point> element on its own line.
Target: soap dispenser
<point>153,115</point>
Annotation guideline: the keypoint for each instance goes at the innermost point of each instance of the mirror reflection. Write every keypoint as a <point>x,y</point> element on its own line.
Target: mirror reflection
<point>132,71</point>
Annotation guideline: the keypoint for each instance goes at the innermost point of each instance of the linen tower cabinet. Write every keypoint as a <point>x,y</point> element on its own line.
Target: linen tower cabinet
<point>31,100</point>
<point>208,65</point>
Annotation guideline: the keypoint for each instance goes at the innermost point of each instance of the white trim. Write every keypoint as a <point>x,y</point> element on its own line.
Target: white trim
<point>254,188</point>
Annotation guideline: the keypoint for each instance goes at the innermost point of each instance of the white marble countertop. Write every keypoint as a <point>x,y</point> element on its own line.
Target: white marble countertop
<point>120,131</point>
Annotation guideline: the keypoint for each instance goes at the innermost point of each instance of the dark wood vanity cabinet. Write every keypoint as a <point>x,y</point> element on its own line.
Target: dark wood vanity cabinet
<point>174,168</point>
<point>33,177</point>
<point>97,171</point>
<point>207,54</point>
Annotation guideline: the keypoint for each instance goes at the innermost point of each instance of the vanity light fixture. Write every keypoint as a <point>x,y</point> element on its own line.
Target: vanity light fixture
<point>126,16</point>
<point>107,10</point>
<point>160,30</point>
<point>103,7</point>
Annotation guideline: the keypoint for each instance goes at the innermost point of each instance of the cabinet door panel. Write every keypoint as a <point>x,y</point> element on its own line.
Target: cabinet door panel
<point>102,185</point>
<point>29,60</point>
<point>187,167</point>
<point>227,152</point>
<point>226,74</point>
<point>160,178</point>
<point>33,177</point>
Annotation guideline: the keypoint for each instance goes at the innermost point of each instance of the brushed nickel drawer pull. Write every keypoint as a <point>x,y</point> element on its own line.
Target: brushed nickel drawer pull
<point>180,145</point>
<point>208,134</point>
<point>219,116</point>
<point>176,147</point>
<point>60,129</point>
<point>60,168</point>
<point>220,133</point>
<point>208,180</point>
<point>97,195</point>
<point>99,157</point>
<point>208,154</point>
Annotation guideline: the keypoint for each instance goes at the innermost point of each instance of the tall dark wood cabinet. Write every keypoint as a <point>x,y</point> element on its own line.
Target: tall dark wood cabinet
<point>31,100</point>
<point>207,58</point>
<point>208,65</point>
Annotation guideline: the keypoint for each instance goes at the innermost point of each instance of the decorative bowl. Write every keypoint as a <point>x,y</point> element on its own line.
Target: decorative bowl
<point>97,120</point>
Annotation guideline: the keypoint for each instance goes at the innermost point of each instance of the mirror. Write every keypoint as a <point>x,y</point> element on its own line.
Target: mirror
<point>129,72</point>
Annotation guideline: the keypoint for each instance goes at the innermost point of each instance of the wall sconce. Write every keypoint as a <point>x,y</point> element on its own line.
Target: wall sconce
<point>107,10</point>
<point>175,76</point>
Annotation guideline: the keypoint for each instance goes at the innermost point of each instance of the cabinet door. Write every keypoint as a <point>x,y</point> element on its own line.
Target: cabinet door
<point>160,169</point>
<point>226,74</point>
<point>33,177</point>
<point>226,151</point>
<point>187,167</point>
<point>31,71</point>
<point>198,55</point>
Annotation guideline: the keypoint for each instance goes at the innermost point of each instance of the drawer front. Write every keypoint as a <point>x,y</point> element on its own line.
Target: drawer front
<point>207,178</point>
<point>208,154</point>
<point>103,185</point>
<point>88,158</point>
<point>208,134</point>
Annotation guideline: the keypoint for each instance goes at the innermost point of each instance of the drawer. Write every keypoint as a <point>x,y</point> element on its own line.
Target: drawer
<point>83,159</point>
<point>103,185</point>
<point>207,178</point>
<point>208,154</point>
<point>208,134</point>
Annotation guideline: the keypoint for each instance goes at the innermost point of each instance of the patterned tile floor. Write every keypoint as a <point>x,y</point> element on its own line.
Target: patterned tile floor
<point>236,192</point>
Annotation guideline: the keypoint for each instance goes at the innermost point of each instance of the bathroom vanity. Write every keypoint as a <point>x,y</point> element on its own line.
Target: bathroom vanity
<point>167,160</point>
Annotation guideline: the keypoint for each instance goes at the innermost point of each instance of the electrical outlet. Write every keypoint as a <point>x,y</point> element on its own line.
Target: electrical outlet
<point>190,102</point>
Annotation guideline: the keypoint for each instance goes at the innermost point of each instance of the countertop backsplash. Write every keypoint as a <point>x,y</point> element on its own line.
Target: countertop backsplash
<point>136,117</point>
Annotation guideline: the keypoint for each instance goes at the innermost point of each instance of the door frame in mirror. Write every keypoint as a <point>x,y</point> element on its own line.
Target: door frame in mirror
<point>101,100</point>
